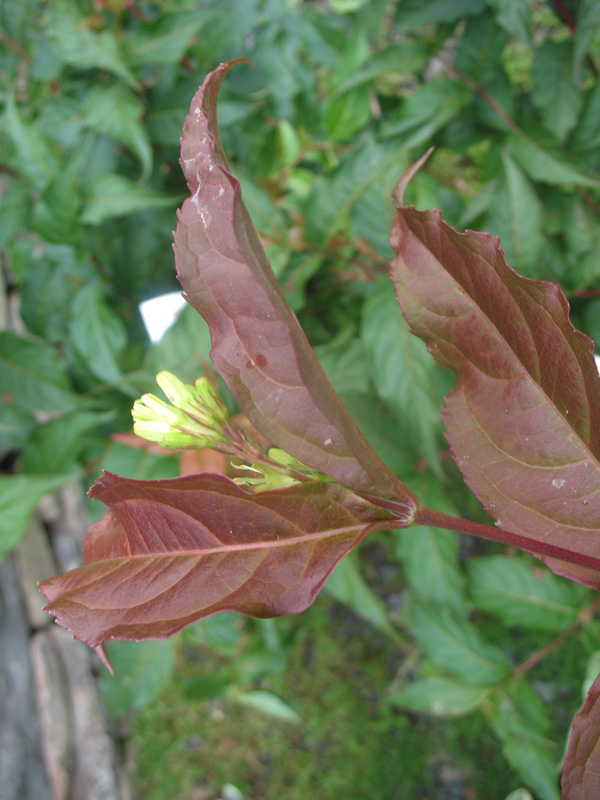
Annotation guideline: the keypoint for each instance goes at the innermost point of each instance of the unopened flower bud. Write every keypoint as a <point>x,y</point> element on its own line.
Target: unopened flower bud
<point>201,402</point>
<point>211,397</point>
<point>191,422</point>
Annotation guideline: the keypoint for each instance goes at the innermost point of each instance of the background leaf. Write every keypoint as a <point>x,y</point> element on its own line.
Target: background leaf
<point>348,586</point>
<point>115,110</point>
<point>403,374</point>
<point>97,333</point>
<point>142,670</point>
<point>511,589</point>
<point>33,375</point>
<point>109,196</point>
<point>519,721</point>
<point>455,644</point>
<point>516,217</point>
<point>554,89</point>
<point>19,495</point>
<point>440,697</point>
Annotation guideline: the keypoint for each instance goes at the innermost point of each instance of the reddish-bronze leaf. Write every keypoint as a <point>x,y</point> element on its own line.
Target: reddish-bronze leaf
<point>170,552</point>
<point>581,773</point>
<point>257,344</point>
<point>524,419</point>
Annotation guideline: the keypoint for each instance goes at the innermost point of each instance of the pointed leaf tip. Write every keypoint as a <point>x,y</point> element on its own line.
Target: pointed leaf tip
<point>400,187</point>
<point>101,653</point>
<point>258,346</point>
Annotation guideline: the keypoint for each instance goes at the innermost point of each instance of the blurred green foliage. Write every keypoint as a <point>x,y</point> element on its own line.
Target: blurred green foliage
<point>341,97</point>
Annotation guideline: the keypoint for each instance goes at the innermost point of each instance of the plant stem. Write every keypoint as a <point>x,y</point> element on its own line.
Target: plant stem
<point>437,519</point>
<point>585,615</point>
<point>486,97</point>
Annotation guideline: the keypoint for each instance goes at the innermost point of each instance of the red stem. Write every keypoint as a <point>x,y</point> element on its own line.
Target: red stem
<point>584,616</point>
<point>565,14</point>
<point>427,516</point>
<point>568,19</point>
<point>587,293</point>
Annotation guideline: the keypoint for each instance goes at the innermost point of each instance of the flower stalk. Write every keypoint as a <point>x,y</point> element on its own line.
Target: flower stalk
<point>196,417</point>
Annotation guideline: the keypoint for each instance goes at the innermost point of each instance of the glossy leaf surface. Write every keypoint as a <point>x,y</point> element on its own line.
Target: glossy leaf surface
<point>170,552</point>
<point>257,345</point>
<point>524,419</point>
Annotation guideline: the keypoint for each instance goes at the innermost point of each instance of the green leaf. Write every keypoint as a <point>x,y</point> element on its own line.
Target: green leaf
<point>55,215</point>
<point>516,217</point>
<point>398,59</point>
<point>97,333</point>
<point>116,196</point>
<point>52,278</point>
<point>425,111</point>
<point>165,40</point>
<point>168,104</point>
<point>19,496</point>
<point>430,555</point>
<point>345,364</point>
<point>115,110</point>
<point>430,560</point>
<point>517,723</point>
<point>514,16</point>
<point>587,134</point>
<point>33,375</point>
<point>543,162</point>
<point>402,370</point>
<point>14,210</point>
<point>221,632</point>
<point>582,236</point>
<point>386,434</point>
<point>555,92</point>
<point>522,594</point>
<point>348,586</point>
<point>440,697</point>
<point>480,48</point>
<point>16,425</point>
<point>414,13</point>
<point>16,16</point>
<point>346,6</point>
<point>142,670</point>
<point>139,463</point>
<point>33,156</point>
<point>206,687</point>
<point>348,113</point>
<point>520,794</point>
<point>266,703</point>
<point>79,46</point>
<point>333,199</point>
<point>53,447</point>
<point>455,644</point>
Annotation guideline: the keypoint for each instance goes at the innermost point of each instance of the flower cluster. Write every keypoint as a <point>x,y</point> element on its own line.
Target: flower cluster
<point>195,418</point>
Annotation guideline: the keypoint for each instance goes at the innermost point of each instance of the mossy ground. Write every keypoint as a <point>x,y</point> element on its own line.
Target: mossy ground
<point>352,744</point>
